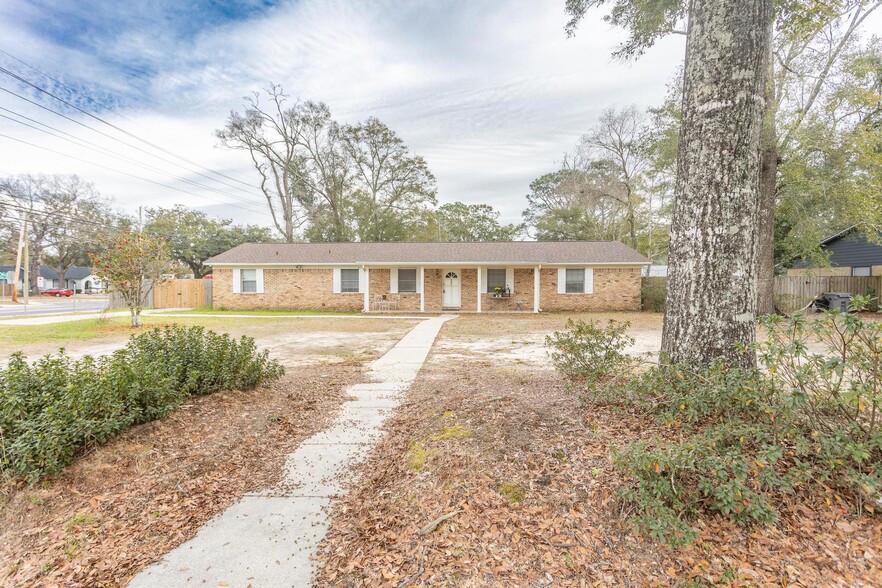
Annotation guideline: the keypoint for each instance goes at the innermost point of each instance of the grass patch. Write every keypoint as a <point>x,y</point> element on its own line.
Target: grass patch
<point>94,328</point>
<point>453,432</point>
<point>61,332</point>
<point>81,520</point>
<point>512,492</point>
<point>418,456</point>
<point>260,312</point>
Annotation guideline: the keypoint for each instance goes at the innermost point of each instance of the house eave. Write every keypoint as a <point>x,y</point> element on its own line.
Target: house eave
<point>463,264</point>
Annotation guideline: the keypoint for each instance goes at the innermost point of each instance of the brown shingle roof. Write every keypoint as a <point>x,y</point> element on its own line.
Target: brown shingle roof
<point>526,252</point>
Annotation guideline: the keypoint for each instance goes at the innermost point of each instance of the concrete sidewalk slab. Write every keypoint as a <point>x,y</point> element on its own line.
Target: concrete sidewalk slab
<point>268,539</point>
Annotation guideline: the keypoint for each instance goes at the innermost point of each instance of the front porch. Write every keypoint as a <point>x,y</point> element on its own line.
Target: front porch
<point>462,289</point>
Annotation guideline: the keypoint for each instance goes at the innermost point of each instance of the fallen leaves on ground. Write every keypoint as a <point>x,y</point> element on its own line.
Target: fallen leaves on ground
<point>529,498</point>
<point>128,502</point>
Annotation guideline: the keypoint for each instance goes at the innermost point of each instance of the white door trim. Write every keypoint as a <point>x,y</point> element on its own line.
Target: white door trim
<point>451,295</point>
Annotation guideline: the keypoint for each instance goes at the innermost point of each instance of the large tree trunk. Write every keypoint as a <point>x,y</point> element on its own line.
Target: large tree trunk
<point>765,231</point>
<point>711,301</point>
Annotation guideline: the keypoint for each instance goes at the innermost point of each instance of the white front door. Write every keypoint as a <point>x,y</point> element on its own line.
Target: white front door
<point>451,290</point>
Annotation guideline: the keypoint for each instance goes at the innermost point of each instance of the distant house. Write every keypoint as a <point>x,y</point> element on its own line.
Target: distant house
<point>83,279</point>
<point>850,254</point>
<point>429,277</point>
<point>46,279</point>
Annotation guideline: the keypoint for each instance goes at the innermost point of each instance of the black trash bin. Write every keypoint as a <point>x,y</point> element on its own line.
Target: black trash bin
<point>838,301</point>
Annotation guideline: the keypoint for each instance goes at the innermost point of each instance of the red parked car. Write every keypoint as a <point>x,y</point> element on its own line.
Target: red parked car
<point>57,292</point>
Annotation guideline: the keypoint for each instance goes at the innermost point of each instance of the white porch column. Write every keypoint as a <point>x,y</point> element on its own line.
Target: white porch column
<point>422,273</point>
<point>479,289</point>
<point>367,289</point>
<point>536,271</point>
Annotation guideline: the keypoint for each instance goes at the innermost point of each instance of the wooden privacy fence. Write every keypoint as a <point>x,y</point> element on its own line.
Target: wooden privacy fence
<point>173,294</point>
<point>179,294</point>
<point>795,292</point>
<point>791,292</point>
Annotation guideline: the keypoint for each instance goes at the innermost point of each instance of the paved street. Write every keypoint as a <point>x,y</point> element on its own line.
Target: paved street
<point>43,305</point>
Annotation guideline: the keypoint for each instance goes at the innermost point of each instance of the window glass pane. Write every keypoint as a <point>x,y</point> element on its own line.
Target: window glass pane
<point>407,280</point>
<point>860,271</point>
<point>249,280</point>
<point>575,281</point>
<point>349,280</point>
<point>495,279</point>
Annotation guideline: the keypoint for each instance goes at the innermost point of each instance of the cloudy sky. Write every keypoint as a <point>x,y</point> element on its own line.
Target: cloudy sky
<point>490,92</point>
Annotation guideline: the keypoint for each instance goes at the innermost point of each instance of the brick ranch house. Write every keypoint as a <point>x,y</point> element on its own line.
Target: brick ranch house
<point>430,277</point>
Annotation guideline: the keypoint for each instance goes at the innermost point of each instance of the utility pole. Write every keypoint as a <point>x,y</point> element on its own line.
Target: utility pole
<point>21,239</point>
<point>27,268</point>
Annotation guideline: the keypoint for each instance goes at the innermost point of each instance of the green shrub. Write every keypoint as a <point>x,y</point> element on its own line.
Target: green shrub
<point>589,355</point>
<point>747,439</point>
<point>653,292</point>
<point>52,408</point>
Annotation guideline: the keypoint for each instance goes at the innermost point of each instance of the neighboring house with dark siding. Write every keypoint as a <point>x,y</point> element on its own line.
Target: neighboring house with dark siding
<point>850,252</point>
<point>46,278</point>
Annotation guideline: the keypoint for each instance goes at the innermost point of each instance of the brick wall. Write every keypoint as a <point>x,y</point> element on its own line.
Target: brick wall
<point>614,289</point>
<point>434,284</point>
<point>523,293</point>
<point>294,289</point>
<point>381,285</point>
<point>305,289</point>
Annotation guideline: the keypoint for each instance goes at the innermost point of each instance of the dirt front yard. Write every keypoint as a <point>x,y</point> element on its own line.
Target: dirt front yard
<point>493,475</point>
<point>294,340</point>
<point>128,502</point>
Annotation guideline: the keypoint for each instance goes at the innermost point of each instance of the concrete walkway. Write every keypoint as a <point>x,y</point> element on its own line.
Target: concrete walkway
<point>268,539</point>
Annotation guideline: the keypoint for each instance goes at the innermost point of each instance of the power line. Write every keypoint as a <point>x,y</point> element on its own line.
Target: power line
<point>121,172</point>
<point>88,144</point>
<point>118,140</point>
<point>65,86</point>
<point>121,130</point>
<point>72,218</point>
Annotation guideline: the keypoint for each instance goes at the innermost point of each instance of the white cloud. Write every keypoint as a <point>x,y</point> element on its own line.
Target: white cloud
<point>492,94</point>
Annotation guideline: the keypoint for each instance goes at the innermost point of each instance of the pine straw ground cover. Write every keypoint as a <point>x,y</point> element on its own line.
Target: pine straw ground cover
<point>492,475</point>
<point>128,502</point>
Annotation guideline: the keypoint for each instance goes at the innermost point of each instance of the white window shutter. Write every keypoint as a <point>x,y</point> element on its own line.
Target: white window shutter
<point>237,281</point>
<point>259,274</point>
<point>362,281</point>
<point>483,279</point>
<point>393,280</point>
<point>589,280</point>
<point>421,276</point>
<point>561,280</point>
<point>509,278</point>
<point>337,287</point>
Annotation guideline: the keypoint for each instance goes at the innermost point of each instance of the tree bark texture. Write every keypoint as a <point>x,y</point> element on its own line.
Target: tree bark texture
<point>711,301</point>
<point>765,280</point>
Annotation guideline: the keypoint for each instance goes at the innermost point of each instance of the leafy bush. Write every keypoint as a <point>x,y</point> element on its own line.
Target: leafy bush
<point>51,409</point>
<point>748,438</point>
<point>588,354</point>
<point>653,292</point>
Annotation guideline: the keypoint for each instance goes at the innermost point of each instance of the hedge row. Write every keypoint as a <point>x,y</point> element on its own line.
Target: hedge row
<point>51,409</point>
